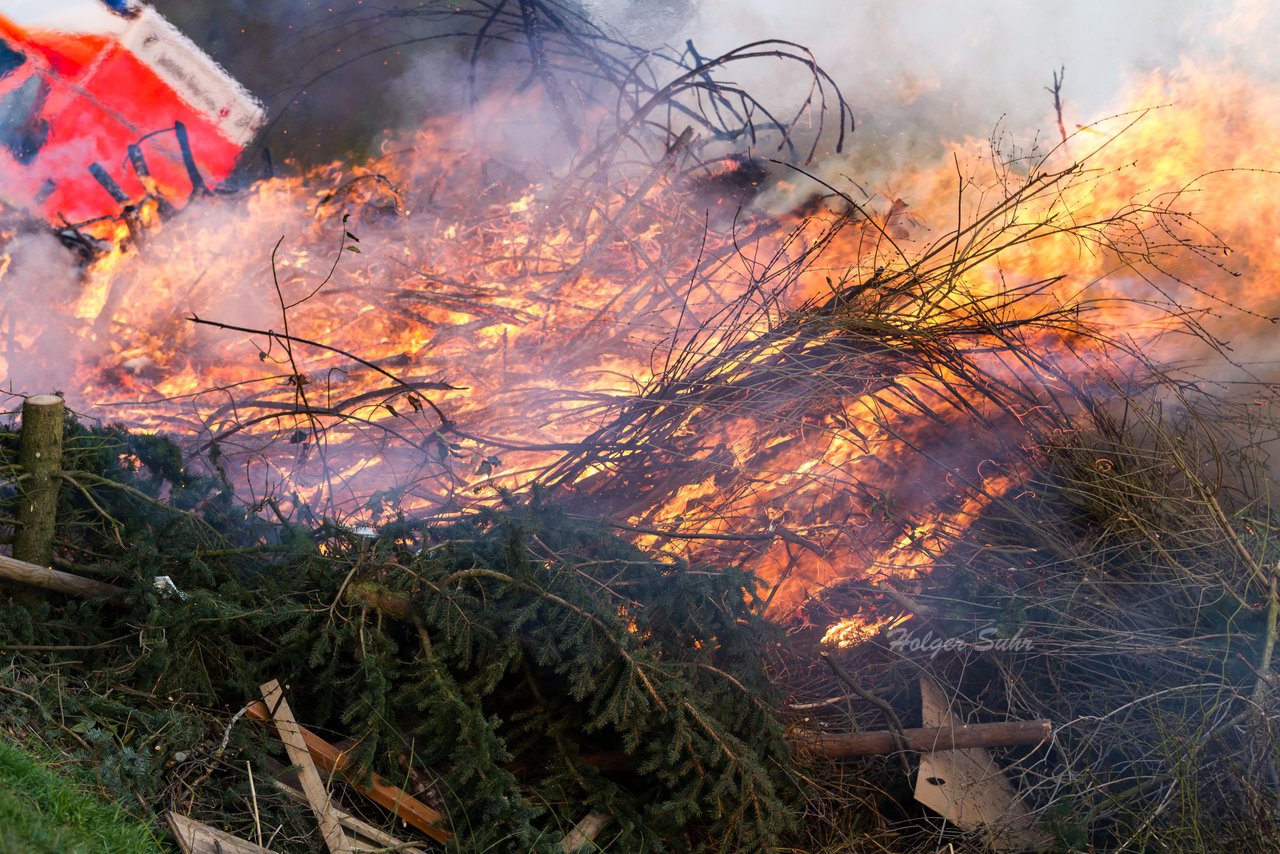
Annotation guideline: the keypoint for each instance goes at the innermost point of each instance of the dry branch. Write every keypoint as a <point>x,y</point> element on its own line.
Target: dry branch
<point>924,739</point>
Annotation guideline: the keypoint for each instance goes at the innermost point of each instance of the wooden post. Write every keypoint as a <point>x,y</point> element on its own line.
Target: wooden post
<point>40,456</point>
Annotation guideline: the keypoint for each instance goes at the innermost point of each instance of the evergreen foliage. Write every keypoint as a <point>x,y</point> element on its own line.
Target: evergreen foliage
<point>523,665</point>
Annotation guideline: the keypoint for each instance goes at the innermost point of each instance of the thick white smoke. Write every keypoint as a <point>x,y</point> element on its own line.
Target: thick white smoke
<point>922,74</point>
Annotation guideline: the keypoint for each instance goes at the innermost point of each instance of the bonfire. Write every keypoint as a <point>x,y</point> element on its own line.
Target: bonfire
<point>599,464</point>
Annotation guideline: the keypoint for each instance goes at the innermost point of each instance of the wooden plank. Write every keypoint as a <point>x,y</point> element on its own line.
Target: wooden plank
<point>835,745</point>
<point>197,838</point>
<point>296,746</point>
<point>356,826</point>
<point>329,758</point>
<point>968,788</point>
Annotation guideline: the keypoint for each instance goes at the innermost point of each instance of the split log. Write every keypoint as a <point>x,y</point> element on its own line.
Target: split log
<point>40,456</point>
<point>924,739</point>
<point>12,569</point>
<point>401,803</point>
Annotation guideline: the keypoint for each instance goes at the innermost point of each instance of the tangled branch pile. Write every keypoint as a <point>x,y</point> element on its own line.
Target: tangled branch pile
<point>769,390</point>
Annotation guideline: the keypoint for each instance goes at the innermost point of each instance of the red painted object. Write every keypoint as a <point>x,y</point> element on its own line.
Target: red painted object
<point>92,122</point>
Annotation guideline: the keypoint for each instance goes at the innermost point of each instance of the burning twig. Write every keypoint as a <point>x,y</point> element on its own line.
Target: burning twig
<point>1059,77</point>
<point>409,388</point>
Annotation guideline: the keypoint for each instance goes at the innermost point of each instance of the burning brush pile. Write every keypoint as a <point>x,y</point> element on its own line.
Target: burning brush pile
<point>568,470</point>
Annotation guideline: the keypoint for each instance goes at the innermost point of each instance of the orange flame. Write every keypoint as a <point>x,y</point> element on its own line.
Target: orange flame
<point>524,325</point>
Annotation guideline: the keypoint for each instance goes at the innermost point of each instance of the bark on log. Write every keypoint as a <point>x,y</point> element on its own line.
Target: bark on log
<point>366,595</point>
<point>925,739</point>
<point>12,569</point>
<point>40,455</point>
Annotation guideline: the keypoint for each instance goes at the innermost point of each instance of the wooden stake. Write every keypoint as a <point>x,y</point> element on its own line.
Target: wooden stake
<point>312,785</point>
<point>398,801</point>
<point>40,455</point>
<point>834,745</point>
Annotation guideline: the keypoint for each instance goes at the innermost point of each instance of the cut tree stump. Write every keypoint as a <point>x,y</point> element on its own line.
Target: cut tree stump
<point>40,456</point>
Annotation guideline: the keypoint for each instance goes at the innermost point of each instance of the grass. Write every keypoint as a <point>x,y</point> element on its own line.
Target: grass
<point>44,811</point>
